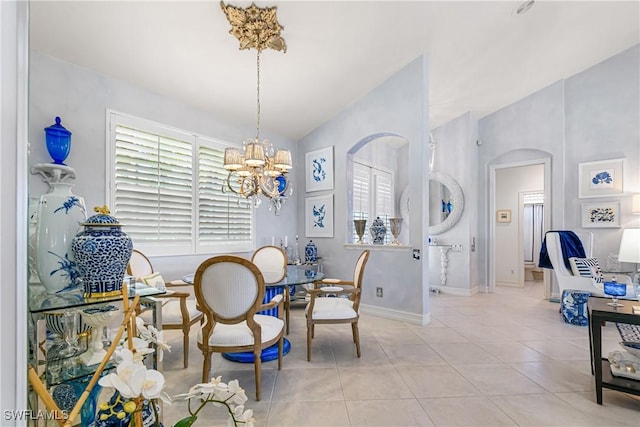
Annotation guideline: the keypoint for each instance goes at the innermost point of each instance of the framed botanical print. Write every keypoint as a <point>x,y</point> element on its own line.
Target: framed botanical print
<point>319,169</point>
<point>318,211</point>
<point>601,215</point>
<point>600,179</point>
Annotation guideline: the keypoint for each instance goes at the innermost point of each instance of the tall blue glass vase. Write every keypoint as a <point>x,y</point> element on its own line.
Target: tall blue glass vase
<point>58,140</point>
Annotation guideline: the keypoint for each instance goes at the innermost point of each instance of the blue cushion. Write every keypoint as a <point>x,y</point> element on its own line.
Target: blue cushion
<point>574,307</point>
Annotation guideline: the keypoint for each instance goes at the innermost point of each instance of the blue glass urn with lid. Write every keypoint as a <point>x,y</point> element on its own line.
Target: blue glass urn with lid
<point>102,251</point>
<point>58,140</point>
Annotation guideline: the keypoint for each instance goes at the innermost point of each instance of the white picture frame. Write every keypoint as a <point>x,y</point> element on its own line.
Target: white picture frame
<point>318,211</point>
<point>319,173</point>
<point>601,215</point>
<point>600,179</point>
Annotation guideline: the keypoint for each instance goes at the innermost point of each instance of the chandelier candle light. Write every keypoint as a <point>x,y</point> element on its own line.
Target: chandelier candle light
<point>257,169</point>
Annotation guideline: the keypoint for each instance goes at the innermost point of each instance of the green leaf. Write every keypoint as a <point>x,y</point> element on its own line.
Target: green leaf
<point>186,422</point>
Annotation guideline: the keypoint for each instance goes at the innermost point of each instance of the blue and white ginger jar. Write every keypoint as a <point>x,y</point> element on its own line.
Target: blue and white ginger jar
<point>378,231</point>
<point>310,252</point>
<point>102,252</point>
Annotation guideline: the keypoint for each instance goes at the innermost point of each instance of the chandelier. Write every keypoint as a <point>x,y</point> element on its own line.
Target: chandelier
<point>257,169</point>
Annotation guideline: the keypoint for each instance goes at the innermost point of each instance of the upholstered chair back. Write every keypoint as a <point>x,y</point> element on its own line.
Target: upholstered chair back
<point>272,262</point>
<point>228,288</point>
<point>139,265</point>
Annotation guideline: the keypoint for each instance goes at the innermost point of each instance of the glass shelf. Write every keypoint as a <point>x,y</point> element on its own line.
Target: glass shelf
<point>40,301</point>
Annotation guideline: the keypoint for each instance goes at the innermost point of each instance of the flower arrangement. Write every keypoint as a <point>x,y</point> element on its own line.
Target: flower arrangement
<point>137,388</point>
<point>220,394</point>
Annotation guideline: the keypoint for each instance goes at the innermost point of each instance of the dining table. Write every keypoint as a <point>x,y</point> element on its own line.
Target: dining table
<point>295,276</point>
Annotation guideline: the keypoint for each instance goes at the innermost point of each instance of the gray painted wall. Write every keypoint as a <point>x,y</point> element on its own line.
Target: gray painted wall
<point>594,115</point>
<point>81,97</point>
<point>398,106</point>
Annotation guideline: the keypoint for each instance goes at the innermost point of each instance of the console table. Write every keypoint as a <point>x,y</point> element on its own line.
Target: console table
<point>600,312</point>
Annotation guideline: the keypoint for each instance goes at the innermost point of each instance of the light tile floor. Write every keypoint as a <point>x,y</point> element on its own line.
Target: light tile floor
<point>502,359</point>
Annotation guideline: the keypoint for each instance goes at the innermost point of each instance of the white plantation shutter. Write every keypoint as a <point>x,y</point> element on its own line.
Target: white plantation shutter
<point>383,195</point>
<point>373,196</point>
<point>222,216</point>
<point>361,203</point>
<point>169,200</point>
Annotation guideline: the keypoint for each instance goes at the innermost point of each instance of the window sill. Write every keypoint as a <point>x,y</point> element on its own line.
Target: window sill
<point>377,247</point>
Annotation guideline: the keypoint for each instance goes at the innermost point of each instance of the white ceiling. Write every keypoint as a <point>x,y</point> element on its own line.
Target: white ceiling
<point>482,55</point>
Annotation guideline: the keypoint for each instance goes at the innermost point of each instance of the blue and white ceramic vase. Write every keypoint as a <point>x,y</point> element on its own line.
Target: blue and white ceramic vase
<point>378,231</point>
<point>59,217</point>
<point>102,251</point>
<point>58,140</point>
<point>310,252</point>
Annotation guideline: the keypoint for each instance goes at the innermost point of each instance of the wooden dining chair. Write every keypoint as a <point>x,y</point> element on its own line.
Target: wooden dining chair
<point>272,262</point>
<point>229,290</point>
<point>328,305</point>
<point>179,312</point>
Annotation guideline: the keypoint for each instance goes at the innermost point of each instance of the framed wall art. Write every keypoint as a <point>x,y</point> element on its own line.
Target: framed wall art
<point>600,179</point>
<point>319,169</point>
<point>601,215</point>
<point>318,216</point>
<point>503,215</point>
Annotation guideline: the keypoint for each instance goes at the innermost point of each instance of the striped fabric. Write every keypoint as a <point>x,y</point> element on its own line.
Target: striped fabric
<point>586,267</point>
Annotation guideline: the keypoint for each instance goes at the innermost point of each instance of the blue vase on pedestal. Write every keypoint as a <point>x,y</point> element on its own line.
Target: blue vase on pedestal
<point>58,140</point>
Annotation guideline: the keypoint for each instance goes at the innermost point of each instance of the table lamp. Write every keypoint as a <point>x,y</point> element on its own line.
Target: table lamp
<point>630,250</point>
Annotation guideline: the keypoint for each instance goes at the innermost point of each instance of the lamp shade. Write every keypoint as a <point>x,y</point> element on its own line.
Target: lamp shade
<point>630,246</point>
<point>283,160</point>
<point>254,154</point>
<point>232,159</point>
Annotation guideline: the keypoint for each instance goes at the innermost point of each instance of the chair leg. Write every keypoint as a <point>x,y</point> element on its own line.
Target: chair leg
<point>356,337</point>
<point>309,333</point>
<point>257,368</point>
<point>287,306</point>
<point>280,350</point>
<point>185,348</point>
<point>206,366</point>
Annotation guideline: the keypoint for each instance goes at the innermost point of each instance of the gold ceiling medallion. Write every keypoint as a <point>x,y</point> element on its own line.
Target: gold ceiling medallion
<point>255,27</point>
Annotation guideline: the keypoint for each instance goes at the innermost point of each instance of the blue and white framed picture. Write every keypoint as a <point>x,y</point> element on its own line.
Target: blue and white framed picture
<point>600,179</point>
<point>319,169</point>
<point>601,215</point>
<point>318,216</point>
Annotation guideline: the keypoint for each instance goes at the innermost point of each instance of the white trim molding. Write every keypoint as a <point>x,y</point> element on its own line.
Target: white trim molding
<point>402,316</point>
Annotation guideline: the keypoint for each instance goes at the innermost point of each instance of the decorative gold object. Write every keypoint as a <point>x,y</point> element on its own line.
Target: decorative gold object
<point>259,169</point>
<point>255,27</point>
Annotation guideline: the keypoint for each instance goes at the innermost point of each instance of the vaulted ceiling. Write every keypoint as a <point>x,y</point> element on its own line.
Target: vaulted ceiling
<point>482,55</point>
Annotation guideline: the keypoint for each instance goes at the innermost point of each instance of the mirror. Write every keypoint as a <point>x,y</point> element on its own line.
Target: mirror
<point>446,202</point>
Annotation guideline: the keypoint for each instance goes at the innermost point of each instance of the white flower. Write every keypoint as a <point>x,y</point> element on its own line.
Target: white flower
<point>132,379</point>
<point>239,395</point>
<point>221,394</point>
<point>150,334</point>
<point>240,415</point>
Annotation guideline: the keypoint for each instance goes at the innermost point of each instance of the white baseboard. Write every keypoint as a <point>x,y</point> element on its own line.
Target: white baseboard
<point>509,284</point>
<point>402,316</point>
<point>455,291</point>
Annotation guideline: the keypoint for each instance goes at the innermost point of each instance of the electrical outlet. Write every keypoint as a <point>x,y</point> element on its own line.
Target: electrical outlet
<point>379,292</point>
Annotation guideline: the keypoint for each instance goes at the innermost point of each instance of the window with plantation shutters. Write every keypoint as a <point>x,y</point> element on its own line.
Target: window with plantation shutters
<point>166,190</point>
<point>372,196</point>
<point>223,216</point>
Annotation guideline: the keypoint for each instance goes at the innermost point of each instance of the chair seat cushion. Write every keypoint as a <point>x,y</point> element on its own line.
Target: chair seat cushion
<point>332,308</point>
<point>239,334</point>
